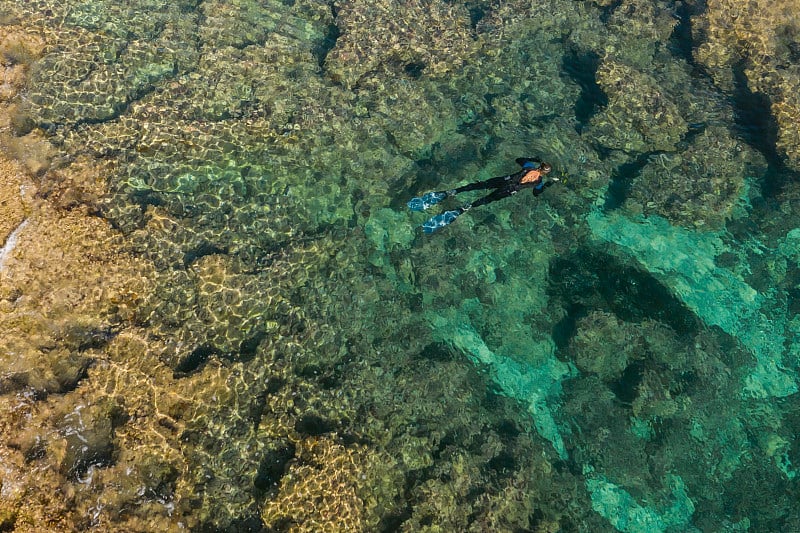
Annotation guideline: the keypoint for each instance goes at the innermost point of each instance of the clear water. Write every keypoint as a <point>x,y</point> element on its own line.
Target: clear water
<point>618,353</point>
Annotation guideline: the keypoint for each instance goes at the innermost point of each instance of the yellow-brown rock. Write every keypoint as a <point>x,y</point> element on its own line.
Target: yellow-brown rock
<point>320,491</point>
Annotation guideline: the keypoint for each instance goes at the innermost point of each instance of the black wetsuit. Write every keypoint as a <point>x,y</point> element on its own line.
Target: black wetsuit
<point>505,186</point>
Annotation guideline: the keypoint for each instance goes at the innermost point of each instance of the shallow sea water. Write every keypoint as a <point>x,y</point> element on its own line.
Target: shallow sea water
<point>618,353</point>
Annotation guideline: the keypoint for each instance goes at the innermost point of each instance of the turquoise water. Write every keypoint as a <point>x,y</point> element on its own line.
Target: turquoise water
<point>616,354</point>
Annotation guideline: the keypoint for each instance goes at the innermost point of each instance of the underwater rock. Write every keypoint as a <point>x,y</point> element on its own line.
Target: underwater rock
<point>787,113</point>
<point>628,516</point>
<point>321,489</point>
<point>81,186</point>
<point>103,92</point>
<point>752,46</point>
<point>230,308</point>
<point>105,73</point>
<point>637,30</point>
<point>254,23</point>
<point>249,185</point>
<point>537,386</point>
<point>605,345</point>
<point>88,438</point>
<point>640,116</point>
<point>15,204</point>
<point>33,151</point>
<point>21,123</point>
<point>273,465</point>
<point>66,282</point>
<point>700,186</point>
<point>12,79</point>
<point>158,476</point>
<point>386,36</point>
<point>19,47</point>
<point>387,231</point>
<point>415,120</point>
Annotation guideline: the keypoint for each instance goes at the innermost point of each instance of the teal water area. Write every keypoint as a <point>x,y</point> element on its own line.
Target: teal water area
<point>616,354</point>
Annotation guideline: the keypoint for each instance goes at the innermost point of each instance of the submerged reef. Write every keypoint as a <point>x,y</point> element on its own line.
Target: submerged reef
<point>421,36</point>
<point>752,47</point>
<point>691,190</point>
<point>217,315</point>
<point>640,120</point>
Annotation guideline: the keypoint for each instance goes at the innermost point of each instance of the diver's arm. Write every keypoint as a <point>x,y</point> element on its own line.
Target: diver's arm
<point>539,189</point>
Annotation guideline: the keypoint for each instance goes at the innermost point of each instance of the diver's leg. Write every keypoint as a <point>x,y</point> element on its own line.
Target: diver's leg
<point>432,198</point>
<point>498,194</point>
<point>491,183</point>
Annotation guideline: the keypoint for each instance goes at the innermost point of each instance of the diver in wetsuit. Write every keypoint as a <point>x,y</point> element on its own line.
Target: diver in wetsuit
<point>530,177</point>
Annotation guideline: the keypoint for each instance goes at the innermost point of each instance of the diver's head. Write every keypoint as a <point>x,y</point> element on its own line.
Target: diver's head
<point>545,168</point>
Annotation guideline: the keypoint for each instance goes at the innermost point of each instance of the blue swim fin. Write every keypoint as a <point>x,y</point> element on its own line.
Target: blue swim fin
<point>439,221</point>
<point>427,200</point>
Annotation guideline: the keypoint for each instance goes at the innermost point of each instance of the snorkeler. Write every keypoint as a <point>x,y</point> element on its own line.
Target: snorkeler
<point>530,177</point>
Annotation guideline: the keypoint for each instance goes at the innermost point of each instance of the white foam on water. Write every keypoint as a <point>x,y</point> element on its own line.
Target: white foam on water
<point>10,244</point>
